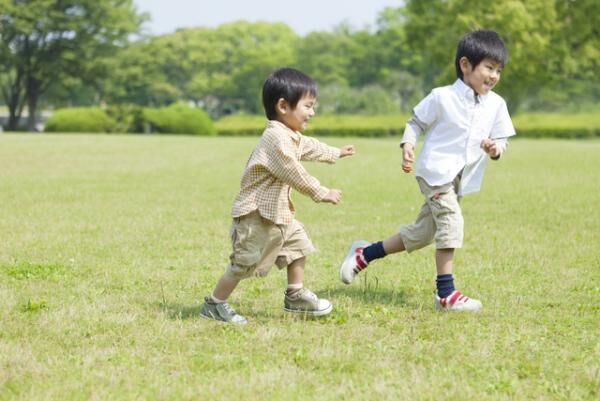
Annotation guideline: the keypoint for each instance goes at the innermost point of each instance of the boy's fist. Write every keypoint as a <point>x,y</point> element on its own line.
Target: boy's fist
<point>333,196</point>
<point>490,147</point>
<point>347,150</point>
<point>408,157</point>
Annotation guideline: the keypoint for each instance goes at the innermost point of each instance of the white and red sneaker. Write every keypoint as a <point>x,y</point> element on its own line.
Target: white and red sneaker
<point>456,301</point>
<point>354,261</point>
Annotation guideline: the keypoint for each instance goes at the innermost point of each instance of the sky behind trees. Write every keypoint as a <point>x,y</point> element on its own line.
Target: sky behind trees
<point>303,17</point>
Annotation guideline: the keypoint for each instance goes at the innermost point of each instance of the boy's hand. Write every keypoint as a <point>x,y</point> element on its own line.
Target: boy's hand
<point>346,150</point>
<point>333,196</point>
<point>408,157</point>
<point>490,147</point>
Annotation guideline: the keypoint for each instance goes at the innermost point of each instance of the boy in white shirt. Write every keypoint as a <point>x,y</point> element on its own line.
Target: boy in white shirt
<point>464,122</point>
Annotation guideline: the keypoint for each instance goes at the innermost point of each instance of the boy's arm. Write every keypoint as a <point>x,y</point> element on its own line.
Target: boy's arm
<point>315,150</point>
<point>502,145</point>
<point>414,128</point>
<point>428,112</point>
<point>285,167</point>
<point>502,129</point>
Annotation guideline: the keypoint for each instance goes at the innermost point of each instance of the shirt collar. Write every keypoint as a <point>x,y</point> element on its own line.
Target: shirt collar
<point>278,125</point>
<point>467,92</point>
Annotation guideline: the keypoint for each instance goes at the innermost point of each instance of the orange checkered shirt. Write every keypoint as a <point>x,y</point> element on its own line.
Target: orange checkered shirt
<point>274,168</point>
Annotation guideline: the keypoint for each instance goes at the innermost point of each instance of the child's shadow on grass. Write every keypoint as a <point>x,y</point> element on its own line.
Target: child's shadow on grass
<point>180,312</point>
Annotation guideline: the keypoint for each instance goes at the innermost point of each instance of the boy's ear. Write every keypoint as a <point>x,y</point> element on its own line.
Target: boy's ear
<point>281,106</point>
<point>465,64</point>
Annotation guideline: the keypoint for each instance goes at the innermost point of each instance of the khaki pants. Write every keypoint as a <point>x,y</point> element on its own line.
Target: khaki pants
<point>259,243</point>
<point>439,220</point>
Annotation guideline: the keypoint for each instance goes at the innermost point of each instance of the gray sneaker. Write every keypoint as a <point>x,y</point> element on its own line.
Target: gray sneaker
<point>222,312</point>
<point>306,302</point>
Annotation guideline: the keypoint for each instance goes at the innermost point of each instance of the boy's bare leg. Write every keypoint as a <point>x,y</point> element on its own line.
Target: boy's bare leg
<point>393,244</point>
<point>215,306</point>
<point>297,298</point>
<point>295,272</point>
<point>443,260</point>
<point>225,287</point>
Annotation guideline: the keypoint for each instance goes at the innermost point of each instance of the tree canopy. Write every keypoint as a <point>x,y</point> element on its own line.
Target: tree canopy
<point>82,52</point>
<point>43,42</point>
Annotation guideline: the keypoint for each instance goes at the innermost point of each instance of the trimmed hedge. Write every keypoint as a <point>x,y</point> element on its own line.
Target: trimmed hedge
<point>557,125</point>
<point>175,119</point>
<point>528,125</point>
<point>79,119</point>
<point>179,119</point>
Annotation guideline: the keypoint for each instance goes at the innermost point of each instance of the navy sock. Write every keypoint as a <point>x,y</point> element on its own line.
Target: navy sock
<point>374,251</point>
<point>445,285</point>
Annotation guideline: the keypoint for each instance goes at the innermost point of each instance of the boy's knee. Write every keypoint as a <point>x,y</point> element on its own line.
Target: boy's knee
<point>238,272</point>
<point>415,239</point>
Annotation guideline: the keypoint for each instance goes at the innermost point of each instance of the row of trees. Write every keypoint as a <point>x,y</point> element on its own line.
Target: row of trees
<point>84,52</point>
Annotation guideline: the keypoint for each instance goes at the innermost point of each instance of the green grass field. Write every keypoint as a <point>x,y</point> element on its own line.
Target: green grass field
<point>109,243</point>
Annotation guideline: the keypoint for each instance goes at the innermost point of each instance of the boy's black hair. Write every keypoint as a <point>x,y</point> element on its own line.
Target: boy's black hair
<point>289,84</point>
<point>480,44</point>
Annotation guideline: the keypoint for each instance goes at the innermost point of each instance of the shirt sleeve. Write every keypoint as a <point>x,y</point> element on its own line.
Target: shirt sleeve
<point>427,111</point>
<point>503,126</point>
<point>314,150</point>
<point>414,128</point>
<point>502,129</point>
<point>284,165</point>
<point>502,143</point>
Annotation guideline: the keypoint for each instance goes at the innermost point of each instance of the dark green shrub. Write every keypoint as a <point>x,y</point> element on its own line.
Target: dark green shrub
<point>179,119</point>
<point>128,118</point>
<point>79,119</point>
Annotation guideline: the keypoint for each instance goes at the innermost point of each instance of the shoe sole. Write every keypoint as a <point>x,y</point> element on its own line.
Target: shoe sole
<point>323,312</point>
<point>351,252</point>
<point>439,307</point>
<point>212,319</point>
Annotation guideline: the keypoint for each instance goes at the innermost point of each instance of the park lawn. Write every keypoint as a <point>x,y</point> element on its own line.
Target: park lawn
<point>109,243</point>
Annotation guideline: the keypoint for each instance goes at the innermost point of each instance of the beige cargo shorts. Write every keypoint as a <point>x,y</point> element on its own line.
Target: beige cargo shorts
<point>258,244</point>
<point>440,218</point>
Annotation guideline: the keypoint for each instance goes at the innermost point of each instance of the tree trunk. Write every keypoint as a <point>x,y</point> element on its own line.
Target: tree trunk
<point>31,107</point>
<point>14,97</point>
<point>33,95</point>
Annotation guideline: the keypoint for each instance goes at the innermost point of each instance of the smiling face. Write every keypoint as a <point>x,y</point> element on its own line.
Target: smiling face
<point>296,118</point>
<point>483,77</point>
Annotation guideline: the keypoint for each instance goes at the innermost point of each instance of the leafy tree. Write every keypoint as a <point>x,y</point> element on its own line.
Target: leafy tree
<point>138,77</point>
<point>220,69</point>
<point>251,52</point>
<point>323,56</point>
<point>44,41</point>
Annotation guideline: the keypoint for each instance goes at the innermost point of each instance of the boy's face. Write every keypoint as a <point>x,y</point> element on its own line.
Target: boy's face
<point>296,118</point>
<point>483,77</point>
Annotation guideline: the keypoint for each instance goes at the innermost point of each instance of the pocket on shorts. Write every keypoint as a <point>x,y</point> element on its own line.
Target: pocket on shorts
<point>441,201</point>
<point>247,249</point>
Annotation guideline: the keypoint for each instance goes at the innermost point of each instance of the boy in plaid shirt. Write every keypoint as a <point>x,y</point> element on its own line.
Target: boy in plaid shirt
<point>264,231</point>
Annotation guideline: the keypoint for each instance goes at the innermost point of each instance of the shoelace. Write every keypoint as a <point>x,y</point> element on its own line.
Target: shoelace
<point>229,309</point>
<point>308,292</point>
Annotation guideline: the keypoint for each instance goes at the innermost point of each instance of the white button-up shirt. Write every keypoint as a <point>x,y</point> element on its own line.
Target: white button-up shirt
<point>456,121</point>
